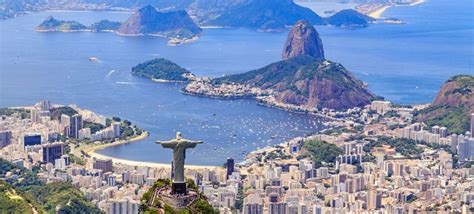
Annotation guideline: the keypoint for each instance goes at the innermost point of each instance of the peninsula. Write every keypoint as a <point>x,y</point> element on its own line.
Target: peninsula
<point>304,78</point>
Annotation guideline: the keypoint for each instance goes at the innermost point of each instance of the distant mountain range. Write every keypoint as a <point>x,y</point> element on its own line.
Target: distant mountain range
<point>452,106</point>
<point>265,15</point>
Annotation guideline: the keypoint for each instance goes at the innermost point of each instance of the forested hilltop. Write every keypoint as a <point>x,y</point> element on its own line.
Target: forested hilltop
<point>22,192</point>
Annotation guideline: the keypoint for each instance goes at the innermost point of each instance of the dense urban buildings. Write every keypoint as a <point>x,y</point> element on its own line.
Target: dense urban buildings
<point>383,162</point>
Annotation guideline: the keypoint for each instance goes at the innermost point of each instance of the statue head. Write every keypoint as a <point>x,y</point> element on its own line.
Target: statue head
<point>178,135</point>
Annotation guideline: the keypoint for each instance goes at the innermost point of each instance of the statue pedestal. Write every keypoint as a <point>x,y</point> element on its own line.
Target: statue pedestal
<point>179,188</point>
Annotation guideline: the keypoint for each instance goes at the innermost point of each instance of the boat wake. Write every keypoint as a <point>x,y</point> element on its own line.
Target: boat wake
<point>110,73</point>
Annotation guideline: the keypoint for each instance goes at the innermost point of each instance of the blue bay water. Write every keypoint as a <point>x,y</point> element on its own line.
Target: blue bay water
<point>404,63</point>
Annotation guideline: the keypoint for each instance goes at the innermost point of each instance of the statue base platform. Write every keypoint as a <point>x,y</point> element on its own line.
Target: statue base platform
<point>179,188</point>
<point>179,201</point>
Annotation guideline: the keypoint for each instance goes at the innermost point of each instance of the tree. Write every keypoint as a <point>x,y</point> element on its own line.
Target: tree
<point>321,151</point>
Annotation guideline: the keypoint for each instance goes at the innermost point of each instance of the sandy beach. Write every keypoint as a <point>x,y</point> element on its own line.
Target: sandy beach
<point>91,150</point>
<point>377,14</point>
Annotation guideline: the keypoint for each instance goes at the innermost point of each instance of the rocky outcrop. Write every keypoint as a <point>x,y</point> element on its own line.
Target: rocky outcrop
<point>452,106</point>
<point>304,77</point>
<point>303,39</point>
<point>307,81</point>
<point>457,91</point>
<point>149,21</point>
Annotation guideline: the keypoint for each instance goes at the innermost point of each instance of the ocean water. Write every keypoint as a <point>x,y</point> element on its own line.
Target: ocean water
<point>404,63</point>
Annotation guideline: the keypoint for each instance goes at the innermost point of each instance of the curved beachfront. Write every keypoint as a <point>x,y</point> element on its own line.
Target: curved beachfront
<point>91,151</point>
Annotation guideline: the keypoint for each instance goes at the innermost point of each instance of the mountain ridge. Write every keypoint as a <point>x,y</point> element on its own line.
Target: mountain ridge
<point>452,106</point>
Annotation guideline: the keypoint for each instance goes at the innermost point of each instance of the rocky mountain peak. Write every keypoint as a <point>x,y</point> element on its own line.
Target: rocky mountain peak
<point>149,21</point>
<point>457,91</point>
<point>303,39</point>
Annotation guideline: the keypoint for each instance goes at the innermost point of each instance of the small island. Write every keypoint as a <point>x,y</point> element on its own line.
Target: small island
<point>162,70</point>
<point>176,26</point>
<point>51,24</point>
<point>349,18</point>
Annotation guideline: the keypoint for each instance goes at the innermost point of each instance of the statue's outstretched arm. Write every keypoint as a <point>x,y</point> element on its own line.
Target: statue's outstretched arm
<point>166,144</point>
<point>192,144</point>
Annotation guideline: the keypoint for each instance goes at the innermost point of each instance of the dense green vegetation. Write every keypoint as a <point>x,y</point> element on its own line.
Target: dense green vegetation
<point>57,112</point>
<point>126,130</point>
<point>349,17</point>
<point>76,160</point>
<point>200,205</point>
<point>52,24</point>
<point>277,154</point>
<point>271,74</point>
<point>27,178</point>
<point>161,69</point>
<point>390,114</point>
<point>321,152</point>
<point>95,127</point>
<point>10,111</point>
<point>453,105</point>
<point>105,25</point>
<point>11,203</point>
<point>64,196</point>
<point>56,197</point>
<point>404,146</point>
<point>455,119</point>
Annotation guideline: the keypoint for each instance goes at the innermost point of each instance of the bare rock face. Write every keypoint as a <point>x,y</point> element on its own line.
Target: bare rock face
<point>303,39</point>
<point>304,77</point>
<point>457,91</point>
<point>306,81</point>
<point>452,106</point>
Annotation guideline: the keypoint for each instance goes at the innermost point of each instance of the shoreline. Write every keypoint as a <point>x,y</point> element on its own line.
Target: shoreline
<point>378,13</point>
<point>91,151</point>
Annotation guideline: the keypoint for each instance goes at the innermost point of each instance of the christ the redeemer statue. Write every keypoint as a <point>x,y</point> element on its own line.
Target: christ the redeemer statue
<point>179,146</point>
